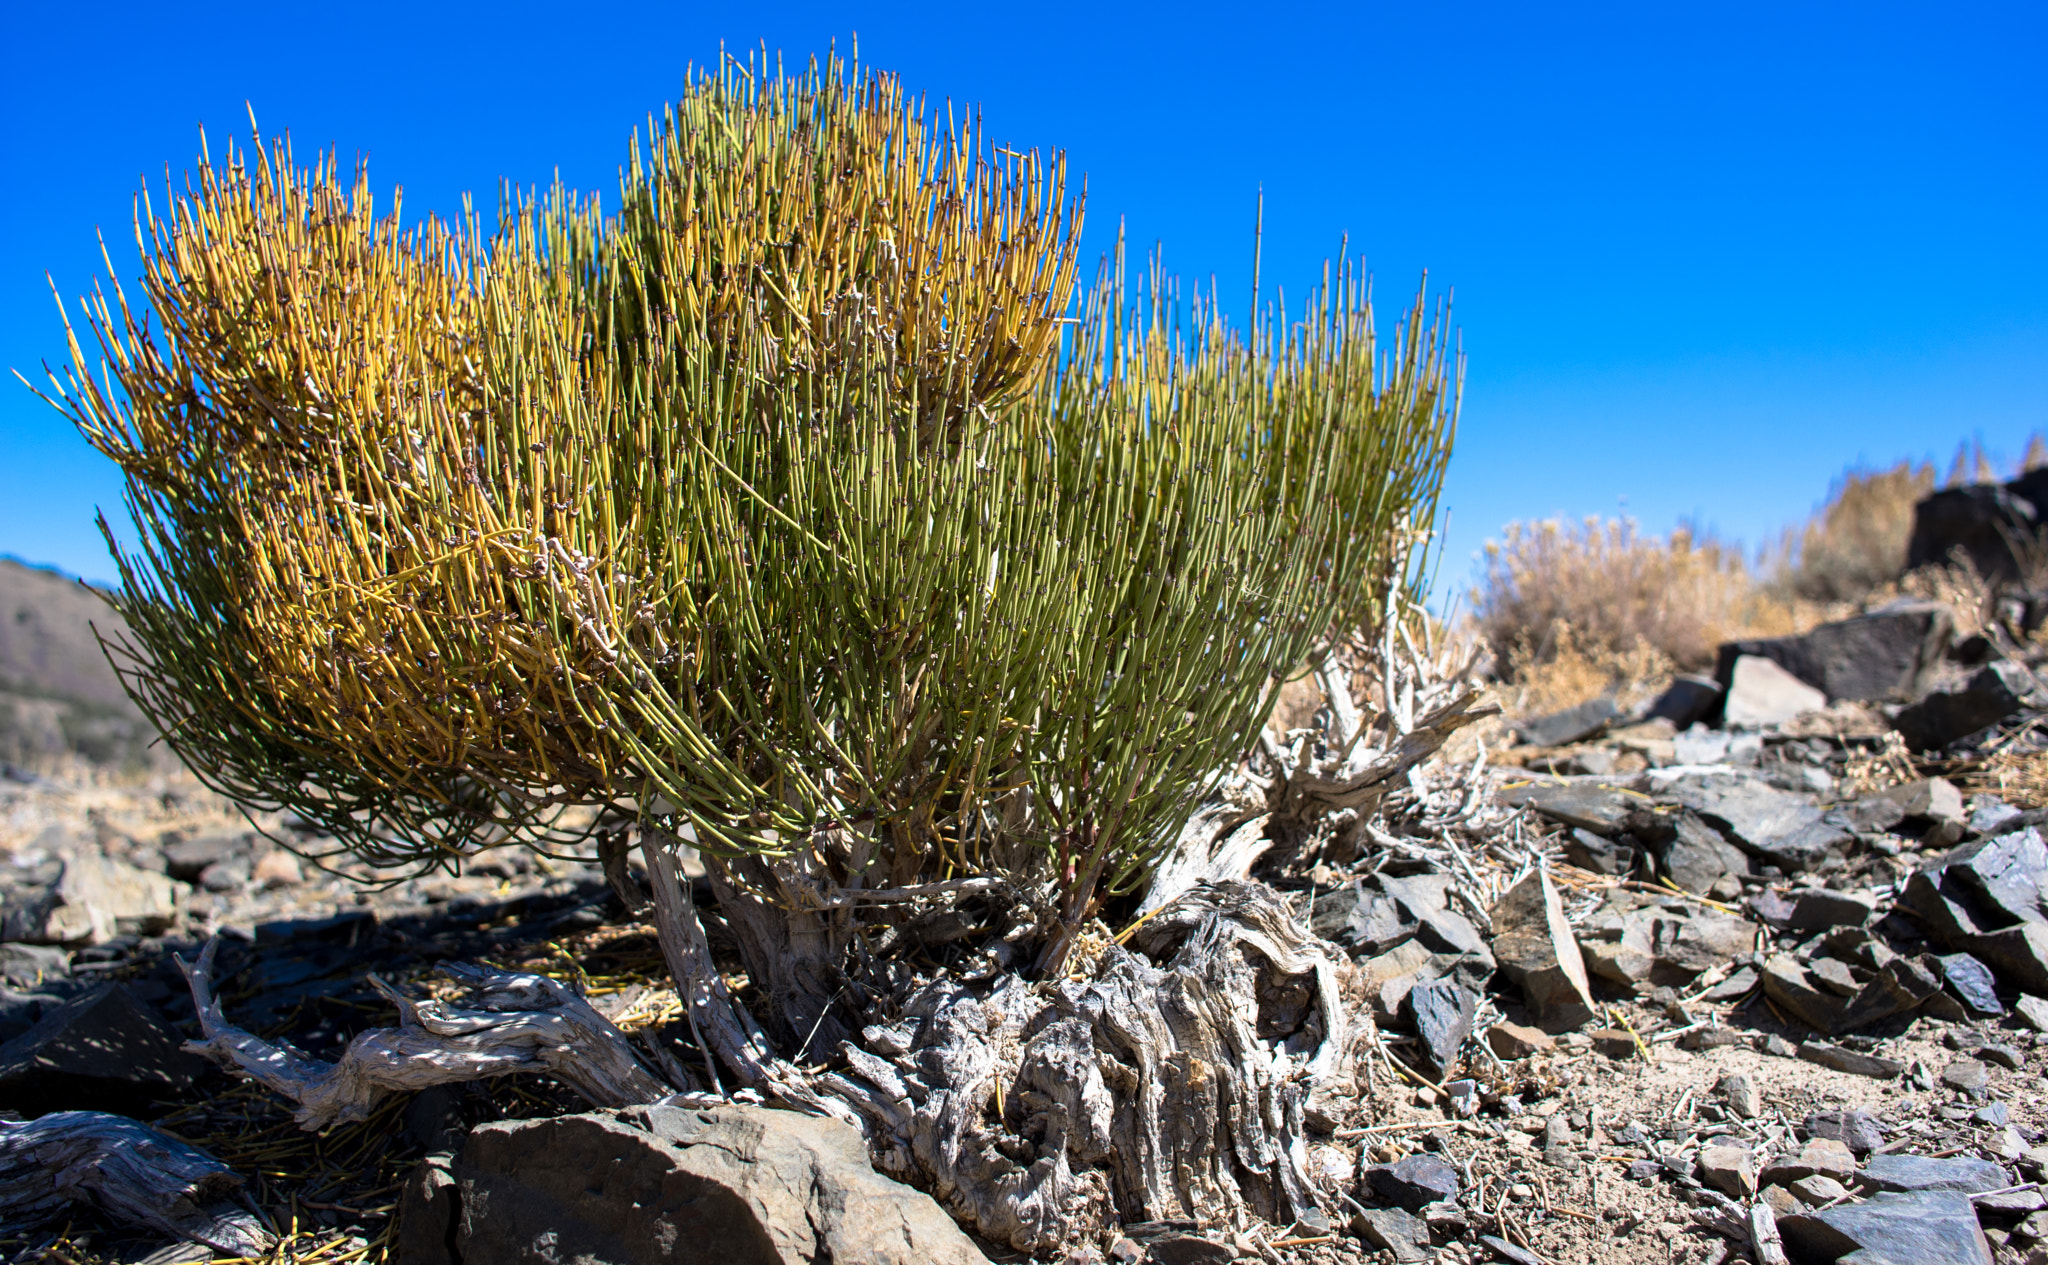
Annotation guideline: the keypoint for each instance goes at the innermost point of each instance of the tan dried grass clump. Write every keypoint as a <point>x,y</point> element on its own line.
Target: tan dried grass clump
<point>1618,590</point>
<point>1856,542</point>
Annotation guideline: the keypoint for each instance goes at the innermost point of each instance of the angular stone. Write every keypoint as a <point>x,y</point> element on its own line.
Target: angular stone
<point>1899,985</point>
<point>725,1184</point>
<point>1574,724</point>
<point>1740,983</point>
<point>1617,961</point>
<point>1992,816</point>
<point>1998,690</point>
<point>99,898</point>
<point>1534,946</point>
<point>2033,1010</point>
<point>1362,920</point>
<point>1188,1249</point>
<point>1818,908</point>
<point>1517,1041</point>
<point>1933,1228</point>
<point>1695,855</point>
<point>1834,976</point>
<point>2004,1056</point>
<point>1788,984</point>
<point>1729,1169</point>
<point>1885,655</point>
<point>1686,700</point>
<point>100,1051</point>
<point>1965,1074</point>
<point>187,858</point>
<point>1782,827</point>
<point>2019,954</point>
<point>1741,1095</point>
<point>1854,1128</point>
<point>1392,1230</point>
<point>1970,980</point>
<point>1818,1189</point>
<point>1599,855</point>
<point>1826,1157</point>
<point>1600,809</point>
<point>1413,1181</point>
<point>32,965</point>
<point>1850,1061</point>
<point>1442,1013</point>
<point>1931,799</point>
<point>1761,693</point>
<point>1615,1043</point>
<point>1922,1173</point>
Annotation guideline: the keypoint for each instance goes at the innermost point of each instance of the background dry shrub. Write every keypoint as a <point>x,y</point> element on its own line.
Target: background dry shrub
<point>1575,672</point>
<point>1856,542</point>
<point>1618,592</point>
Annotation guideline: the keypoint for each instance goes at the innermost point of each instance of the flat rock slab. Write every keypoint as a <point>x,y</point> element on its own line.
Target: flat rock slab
<point>1783,827</point>
<point>1600,809</point>
<point>730,1185</point>
<point>1574,724</point>
<point>1927,1228</point>
<point>1413,1182</point>
<point>1392,1230</point>
<point>1842,1060</point>
<point>1858,1130</point>
<point>1923,1173</point>
<point>1887,654</point>
<point>1997,691</point>
<point>100,1051</point>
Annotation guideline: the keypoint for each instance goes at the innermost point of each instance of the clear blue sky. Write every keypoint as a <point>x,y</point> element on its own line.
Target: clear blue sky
<point>1704,257</point>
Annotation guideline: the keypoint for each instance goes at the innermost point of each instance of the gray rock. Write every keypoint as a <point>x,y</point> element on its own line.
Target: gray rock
<point>1994,525</point>
<point>1413,1181</point>
<point>1965,1074</point>
<point>1589,806</point>
<point>1442,1013</point>
<point>732,1183</point>
<point>1819,908</point>
<point>1842,1060</point>
<point>1827,1157</point>
<point>1856,1129</point>
<point>1600,855</point>
<point>95,899</point>
<point>1695,855</point>
<point>1729,1168</point>
<point>1741,1095</point>
<point>1575,724</point>
<point>1923,1173</point>
<point>1535,948</point>
<point>1393,1230</point>
<point>1782,827</point>
<point>186,859</point>
<point>1188,1249</point>
<point>1898,986</point>
<point>1792,987</point>
<point>1988,884</point>
<point>1931,1228</point>
<point>1971,982</point>
<point>2003,1055</point>
<point>33,965</point>
<point>1761,693</point>
<point>1989,816</point>
<point>100,1051</point>
<point>1888,654</point>
<point>1361,919</point>
<point>1686,700</point>
<point>2034,1010</point>
<point>1996,691</point>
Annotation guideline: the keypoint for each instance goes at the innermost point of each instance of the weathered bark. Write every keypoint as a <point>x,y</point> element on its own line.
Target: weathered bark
<point>518,1023</point>
<point>127,1170</point>
<point>1043,1117</point>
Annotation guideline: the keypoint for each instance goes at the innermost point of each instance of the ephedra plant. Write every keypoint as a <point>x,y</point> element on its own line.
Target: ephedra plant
<point>803,505</point>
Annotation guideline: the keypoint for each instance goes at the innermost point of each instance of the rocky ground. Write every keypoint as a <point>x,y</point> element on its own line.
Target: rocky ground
<point>1756,974</point>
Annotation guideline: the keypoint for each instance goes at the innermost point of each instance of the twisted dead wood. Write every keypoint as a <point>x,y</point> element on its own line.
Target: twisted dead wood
<point>127,1170</point>
<point>516,1023</point>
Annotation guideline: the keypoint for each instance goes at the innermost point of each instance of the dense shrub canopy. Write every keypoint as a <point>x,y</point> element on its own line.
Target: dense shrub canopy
<point>805,498</point>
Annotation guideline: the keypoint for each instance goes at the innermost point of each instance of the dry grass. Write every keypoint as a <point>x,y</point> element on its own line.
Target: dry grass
<point>1856,542</point>
<point>1623,596</point>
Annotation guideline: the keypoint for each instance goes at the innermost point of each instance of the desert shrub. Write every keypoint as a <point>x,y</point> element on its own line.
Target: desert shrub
<point>1614,591</point>
<point>1857,540</point>
<point>805,503</point>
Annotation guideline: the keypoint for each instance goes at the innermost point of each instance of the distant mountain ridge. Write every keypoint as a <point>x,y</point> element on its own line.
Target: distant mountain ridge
<point>58,694</point>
